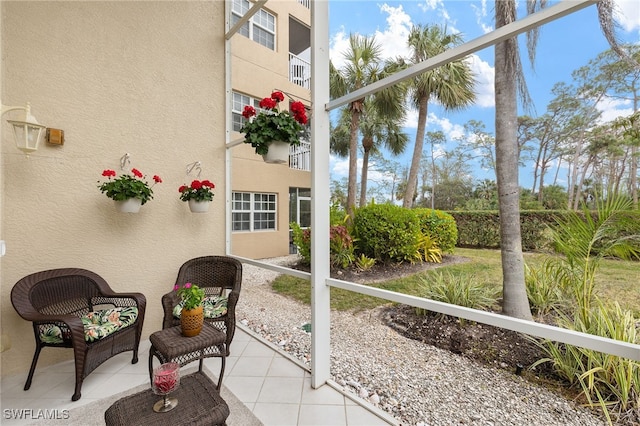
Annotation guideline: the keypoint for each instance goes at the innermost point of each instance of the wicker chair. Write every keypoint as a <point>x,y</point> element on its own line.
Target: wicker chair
<point>57,299</point>
<point>216,275</point>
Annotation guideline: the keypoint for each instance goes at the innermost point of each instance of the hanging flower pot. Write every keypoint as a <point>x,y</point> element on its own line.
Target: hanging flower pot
<point>191,321</point>
<point>128,191</point>
<point>278,153</point>
<point>199,206</point>
<point>271,131</point>
<point>131,205</point>
<point>199,195</point>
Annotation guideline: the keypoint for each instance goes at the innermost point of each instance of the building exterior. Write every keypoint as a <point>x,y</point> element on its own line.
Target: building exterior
<point>271,52</point>
<point>145,85</point>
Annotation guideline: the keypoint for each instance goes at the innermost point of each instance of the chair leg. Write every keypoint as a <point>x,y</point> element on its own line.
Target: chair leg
<point>135,356</point>
<point>223,360</point>
<point>32,370</point>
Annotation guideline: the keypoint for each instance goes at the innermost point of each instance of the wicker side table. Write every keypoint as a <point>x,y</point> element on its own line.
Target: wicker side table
<point>199,404</point>
<point>169,345</point>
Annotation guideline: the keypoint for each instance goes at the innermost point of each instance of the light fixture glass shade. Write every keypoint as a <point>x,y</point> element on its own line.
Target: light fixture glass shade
<point>27,133</point>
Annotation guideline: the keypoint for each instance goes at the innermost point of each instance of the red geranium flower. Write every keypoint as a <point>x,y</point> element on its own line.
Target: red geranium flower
<point>268,103</point>
<point>157,179</point>
<point>248,111</point>
<point>277,96</point>
<point>137,173</point>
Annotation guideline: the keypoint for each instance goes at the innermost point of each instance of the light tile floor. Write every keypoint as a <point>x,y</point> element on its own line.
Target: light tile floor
<point>275,388</point>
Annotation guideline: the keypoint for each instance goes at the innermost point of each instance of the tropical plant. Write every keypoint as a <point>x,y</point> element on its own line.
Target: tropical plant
<point>199,190</point>
<point>451,85</point>
<point>459,289</point>
<point>127,186</point>
<point>362,67</point>
<point>270,124</point>
<point>364,263</point>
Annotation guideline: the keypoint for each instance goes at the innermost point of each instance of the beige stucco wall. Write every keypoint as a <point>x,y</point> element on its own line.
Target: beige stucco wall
<point>144,78</point>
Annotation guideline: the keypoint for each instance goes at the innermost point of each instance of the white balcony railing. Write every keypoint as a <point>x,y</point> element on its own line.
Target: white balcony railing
<point>300,156</point>
<point>305,3</point>
<point>299,71</point>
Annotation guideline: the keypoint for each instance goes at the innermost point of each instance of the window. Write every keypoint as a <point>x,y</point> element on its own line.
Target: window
<point>261,28</point>
<point>239,101</point>
<point>253,211</point>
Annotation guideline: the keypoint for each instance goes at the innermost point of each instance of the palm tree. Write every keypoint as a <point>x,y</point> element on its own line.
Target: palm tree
<point>451,85</point>
<point>362,67</point>
<point>378,130</point>
<point>509,79</point>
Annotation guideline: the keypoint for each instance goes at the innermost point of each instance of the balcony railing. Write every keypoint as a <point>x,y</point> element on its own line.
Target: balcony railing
<point>300,156</point>
<point>305,3</point>
<point>299,71</point>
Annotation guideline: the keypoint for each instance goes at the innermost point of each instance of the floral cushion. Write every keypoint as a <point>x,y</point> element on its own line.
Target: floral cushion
<point>97,325</point>
<point>214,307</point>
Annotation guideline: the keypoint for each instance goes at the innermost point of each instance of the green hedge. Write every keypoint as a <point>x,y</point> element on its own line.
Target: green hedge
<point>439,225</point>
<point>481,229</point>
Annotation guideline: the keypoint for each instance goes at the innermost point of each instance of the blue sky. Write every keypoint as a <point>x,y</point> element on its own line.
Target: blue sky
<point>563,46</point>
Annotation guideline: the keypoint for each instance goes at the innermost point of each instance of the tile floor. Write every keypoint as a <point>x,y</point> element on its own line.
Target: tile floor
<point>276,389</point>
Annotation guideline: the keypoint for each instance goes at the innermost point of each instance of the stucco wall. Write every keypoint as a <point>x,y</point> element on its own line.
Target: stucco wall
<point>144,78</point>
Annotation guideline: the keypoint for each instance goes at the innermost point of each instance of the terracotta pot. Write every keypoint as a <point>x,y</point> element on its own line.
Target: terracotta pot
<point>199,206</point>
<point>191,321</point>
<point>278,153</point>
<point>131,205</point>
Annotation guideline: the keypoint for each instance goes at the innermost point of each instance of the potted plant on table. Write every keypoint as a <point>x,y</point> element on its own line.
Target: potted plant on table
<point>129,191</point>
<point>199,195</point>
<point>270,131</point>
<point>192,313</point>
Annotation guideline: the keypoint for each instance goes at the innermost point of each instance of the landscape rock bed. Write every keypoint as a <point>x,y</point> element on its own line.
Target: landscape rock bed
<point>415,382</point>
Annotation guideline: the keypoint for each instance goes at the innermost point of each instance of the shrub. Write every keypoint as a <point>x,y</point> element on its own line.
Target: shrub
<point>341,246</point>
<point>440,226</point>
<point>387,233</point>
<point>544,290</point>
<point>461,290</point>
<point>364,263</point>
<point>429,249</point>
<point>302,240</point>
<point>608,381</point>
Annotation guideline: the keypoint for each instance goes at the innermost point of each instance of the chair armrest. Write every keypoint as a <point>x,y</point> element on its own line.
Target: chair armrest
<point>169,301</point>
<point>73,323</point>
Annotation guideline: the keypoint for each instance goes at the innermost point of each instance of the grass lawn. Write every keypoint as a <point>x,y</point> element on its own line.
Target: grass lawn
<point>616,281</point>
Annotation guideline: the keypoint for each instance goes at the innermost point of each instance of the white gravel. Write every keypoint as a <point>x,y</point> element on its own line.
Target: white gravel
<point>416,383</point>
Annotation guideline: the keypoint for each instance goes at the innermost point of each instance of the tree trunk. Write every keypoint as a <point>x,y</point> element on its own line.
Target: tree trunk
<point>515,301</point>
<point>412,182</point>
<point>367,144</point>
<point>353,157</point>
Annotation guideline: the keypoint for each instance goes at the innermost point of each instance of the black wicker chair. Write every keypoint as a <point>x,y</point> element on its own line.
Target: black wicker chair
<point>59,298</point>
<point>217,276</point>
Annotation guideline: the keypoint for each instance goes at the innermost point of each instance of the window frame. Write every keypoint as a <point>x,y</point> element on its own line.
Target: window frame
<point>270,199</point>
<point>254,28</point>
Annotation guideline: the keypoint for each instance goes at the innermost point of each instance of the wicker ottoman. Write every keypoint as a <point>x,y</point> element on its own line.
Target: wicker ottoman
<point>169,345</point>
<point>199,404</point>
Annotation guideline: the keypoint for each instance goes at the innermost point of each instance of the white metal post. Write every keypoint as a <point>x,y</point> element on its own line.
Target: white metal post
<point>320,194</point>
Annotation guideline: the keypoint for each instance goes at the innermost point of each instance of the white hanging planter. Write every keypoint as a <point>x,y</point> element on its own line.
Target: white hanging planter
<point>278,153</point>
<point>199,206</point>
<point>131,205</point>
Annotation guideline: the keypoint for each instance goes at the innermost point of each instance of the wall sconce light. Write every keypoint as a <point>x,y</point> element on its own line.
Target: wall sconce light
<point>27,131</point>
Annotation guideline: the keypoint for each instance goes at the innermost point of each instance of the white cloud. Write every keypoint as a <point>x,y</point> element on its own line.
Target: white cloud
<point>393,38</point>
<point>452,131</point>
<point>628,14</point>
<point>614,108</point>
<point>484,75</point>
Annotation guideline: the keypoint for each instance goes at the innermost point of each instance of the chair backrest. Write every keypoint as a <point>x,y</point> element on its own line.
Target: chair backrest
<point>57,291</point>
<point>214,274</point>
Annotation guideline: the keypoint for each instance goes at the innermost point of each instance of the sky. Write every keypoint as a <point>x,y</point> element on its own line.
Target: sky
<point>563,46</point>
